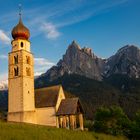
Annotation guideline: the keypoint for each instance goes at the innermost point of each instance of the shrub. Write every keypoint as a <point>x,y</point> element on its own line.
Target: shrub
<point>111,120</point>
<point>88,124</point>
<point>135,127</point>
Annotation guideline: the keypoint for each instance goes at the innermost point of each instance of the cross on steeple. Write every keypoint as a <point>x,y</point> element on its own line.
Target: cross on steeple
<point>20,9</point>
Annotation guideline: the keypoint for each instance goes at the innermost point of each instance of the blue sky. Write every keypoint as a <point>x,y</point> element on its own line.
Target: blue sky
<point>103,25</point>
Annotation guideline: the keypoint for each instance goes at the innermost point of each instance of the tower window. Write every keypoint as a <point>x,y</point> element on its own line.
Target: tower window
<point>16,59</point>
<point>21,44</point>
<point>28,71</point>
<point>28,59</point>
<point>16,71</point>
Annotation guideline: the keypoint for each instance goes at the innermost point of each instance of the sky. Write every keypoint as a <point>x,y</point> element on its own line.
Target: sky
<point>103,25</point>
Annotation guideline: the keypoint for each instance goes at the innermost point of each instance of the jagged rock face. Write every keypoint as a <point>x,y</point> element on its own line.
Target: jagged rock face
<point>83,62</point>
<point>78,61</point>
<point>125,61</point>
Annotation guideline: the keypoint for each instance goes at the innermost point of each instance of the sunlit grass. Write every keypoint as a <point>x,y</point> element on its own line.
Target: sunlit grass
<point>15,131</point>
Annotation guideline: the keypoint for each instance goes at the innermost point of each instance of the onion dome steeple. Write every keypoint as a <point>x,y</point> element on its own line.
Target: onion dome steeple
<point>20,31</point>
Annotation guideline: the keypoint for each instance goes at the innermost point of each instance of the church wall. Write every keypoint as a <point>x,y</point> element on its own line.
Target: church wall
<point>26,116</point>
<point>46,116</point>
<point>16,45</point>
<point>29,117</point>
<point>61,96</point>
<point>21,87</point>
<point>15,99</point>
<point>21,106</point>
<point>28,96</point>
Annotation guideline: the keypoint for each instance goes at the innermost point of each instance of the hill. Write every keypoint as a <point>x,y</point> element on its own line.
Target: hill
<point>94,94</point>
<point>10,131</point>
<point>3,100</point>
<point>115,90</point>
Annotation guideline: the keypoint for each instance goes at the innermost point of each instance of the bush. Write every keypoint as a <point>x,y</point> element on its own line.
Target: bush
<point>88,124</point>
<point>111,121</point>
<point>3,116</point>
<point>135,127</point>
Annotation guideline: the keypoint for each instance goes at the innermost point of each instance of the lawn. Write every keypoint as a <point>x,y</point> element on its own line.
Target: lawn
<point>15,131</point>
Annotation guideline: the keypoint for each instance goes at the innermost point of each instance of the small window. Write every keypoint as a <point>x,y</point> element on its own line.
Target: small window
<point>28,71</point>
<point>21,44</point>
<point>16,71</point>
<point>28,59</point>
<point>16,59</point>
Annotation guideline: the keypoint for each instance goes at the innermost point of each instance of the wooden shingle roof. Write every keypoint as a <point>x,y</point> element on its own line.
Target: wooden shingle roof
<point>46,97</point>
<point>69,106</point>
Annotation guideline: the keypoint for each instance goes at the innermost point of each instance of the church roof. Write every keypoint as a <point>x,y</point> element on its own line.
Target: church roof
<point>46,97</point>
<point>69,106</point>
<point>20,31</point>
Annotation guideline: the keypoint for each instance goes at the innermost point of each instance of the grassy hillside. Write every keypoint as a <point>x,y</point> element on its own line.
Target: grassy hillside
<point>11,131</point>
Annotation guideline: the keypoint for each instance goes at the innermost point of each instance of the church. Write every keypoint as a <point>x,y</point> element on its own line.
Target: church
<point>44,106</point>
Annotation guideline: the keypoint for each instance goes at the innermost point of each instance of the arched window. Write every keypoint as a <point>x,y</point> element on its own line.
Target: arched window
<point>28,72</point>
<point>16,59</point>
<point>21,44</point>
<point>27,59</point>
<point>16,71</point>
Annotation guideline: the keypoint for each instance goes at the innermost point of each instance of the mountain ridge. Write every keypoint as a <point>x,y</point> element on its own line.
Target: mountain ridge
<point>84,62</point>
<point>125,61</point>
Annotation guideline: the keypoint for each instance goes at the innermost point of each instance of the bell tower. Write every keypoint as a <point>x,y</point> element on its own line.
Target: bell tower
<point>21,104</point>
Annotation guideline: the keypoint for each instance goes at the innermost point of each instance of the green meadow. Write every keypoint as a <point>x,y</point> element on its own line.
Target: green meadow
<point>15,131</point>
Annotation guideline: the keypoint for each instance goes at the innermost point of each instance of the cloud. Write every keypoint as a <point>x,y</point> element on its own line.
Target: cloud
<point>42,61</point>
<point>3,56</point>
<point>36,74</point>
<point>42,65</point>
<point>55,17</point>
<point>50,30</point>
<point>82,13</point>
<point>4,38</point>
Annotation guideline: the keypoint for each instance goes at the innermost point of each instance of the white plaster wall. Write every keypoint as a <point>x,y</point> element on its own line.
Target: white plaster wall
<point>46,116</point>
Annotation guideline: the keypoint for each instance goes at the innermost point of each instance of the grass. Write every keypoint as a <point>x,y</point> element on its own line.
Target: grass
<point>15,131</point>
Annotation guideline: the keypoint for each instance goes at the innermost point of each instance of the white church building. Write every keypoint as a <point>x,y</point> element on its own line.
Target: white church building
<point>45,106</point>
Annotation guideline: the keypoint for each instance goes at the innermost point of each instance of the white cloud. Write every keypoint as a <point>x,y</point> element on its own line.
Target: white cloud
<point>54,16</point>
<point>4,38</point>
<point>50,30</point>
<point>3,56</point>
<point>37,74</point>
<point>3,81</point>
<point>43,62</point>
<point>42,65</point>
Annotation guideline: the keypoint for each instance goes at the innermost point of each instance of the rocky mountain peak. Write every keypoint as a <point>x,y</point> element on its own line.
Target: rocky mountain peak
<point>129,50</point>
<point>79,61</point>
<point>128,47</point>
<point>82,61</point>
<point>74,45</point>
<point>125,61</point>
